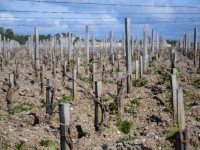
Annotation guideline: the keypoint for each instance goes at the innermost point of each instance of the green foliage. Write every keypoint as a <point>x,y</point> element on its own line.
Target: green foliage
<point>53,147</point>
<point>171,133</point>
<point>112,107</point>
<point>123,126</point>
<point>9,34</point>
<point>91,60</point>
<point>164,78</point>
<point>1,115</point>
<point>197,118</point>
<point>109,81</point>
<point>75,40</point>
<point>64,99</point>
<point>21,145</point>
<point>140,82</point>
<point>2,31</point>
<point>131,109</point>
<point>126,138</point>
<point>6,144</point>
<point>105,99</point>
<point>86,80</point>
<point>136,101</point>
<point>113,96</point>
<point>45,143</point>
<point>172,42</point>
<point>43,102</point>
<point>196,83</point>
<point>24,107</point>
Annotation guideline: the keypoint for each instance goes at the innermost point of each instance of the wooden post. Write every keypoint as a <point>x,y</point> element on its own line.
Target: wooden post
<point>36,53</point>
<point>69,46</point>
<point>136,69</point>
<point>94,65</point>
<point>49,96</point>
<point>1,62</point>
<point>0,44</point>
<point>61,49</point>
<point>119,101</point>
<point>152,46</point>
<point>64,115</point>
<point>78,65</point>
<point>11,79</point>
<point>87,49</point>
<point>54,67</point>
<point>128,56</point>
<point>98,109</point>
<point>181,111</point>
<point>37,68</point>
<point>103,73</point>
<point>174,93</point>
<point>145,49</point>
<point>74,84</point>
<point>64,70</point>
<point>42,79</point>
<point>141,67</point>
<point>195,45</point>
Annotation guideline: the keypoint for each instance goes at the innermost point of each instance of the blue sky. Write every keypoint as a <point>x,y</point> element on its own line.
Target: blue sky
<point>109,17</point>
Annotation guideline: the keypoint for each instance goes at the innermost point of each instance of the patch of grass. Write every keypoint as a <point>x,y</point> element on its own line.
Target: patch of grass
<point>6,144</point>
<point>105,99</point>
<point>1,115</point>
<point>113,107</point>
<point>113,96</point>
<point>197,118</point>
<point>140,82</point>
<point>45,143</point>
<point>24,107</point>
<point>123,126</point>
<point>164,78</point>
<point>64,99</point>
<point>196,83</point>
<point>21,145</point>
<point>149,71</point>
<point>126,138</point>
<point>109,81</point>
<point>136,101</point>
<point>171,133</point>
<point>86,80</point>
<point>131,109</point>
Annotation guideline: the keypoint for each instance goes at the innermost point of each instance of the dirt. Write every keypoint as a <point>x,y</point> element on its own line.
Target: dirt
<point>150,123</point>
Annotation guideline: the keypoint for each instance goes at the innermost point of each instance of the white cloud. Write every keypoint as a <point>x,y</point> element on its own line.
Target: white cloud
<point>6,16</point>
<point>58,24</point>
<point>108,18</point>
<point>29,19</point>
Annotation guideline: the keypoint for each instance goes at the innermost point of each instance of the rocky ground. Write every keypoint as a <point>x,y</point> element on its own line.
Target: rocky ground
<point>148,110</point>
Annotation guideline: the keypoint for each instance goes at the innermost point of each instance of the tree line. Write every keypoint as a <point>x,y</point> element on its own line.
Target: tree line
<point>8,33</point>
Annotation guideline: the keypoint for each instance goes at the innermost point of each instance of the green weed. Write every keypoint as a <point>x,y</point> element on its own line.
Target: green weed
<point>24,107</point>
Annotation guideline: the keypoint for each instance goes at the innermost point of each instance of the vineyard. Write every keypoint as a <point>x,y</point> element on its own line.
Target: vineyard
<point>70,93</point>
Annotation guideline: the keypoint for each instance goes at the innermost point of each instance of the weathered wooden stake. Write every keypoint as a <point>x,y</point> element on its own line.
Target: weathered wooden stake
<point>42,79</point>
<point>136,69</point>
<point>119,101</point>
<point>141,67</point>
<point>49,96</point>
<point>174,93</point>
<point>64,115</point>
<point>74,84</point>
<point>128,56</point>
<point>180,110</point>
<point>94,65</point>
<point>98,109</point>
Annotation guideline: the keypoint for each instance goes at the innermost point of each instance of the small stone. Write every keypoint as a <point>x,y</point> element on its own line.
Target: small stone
<point>118,131</point>
<point>156,137</point>
<point>71,108</point>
